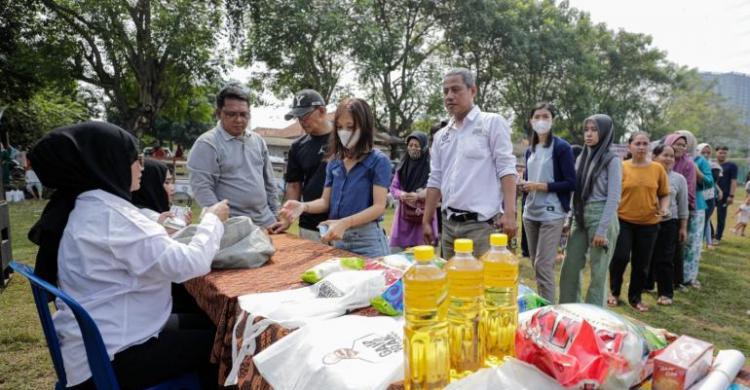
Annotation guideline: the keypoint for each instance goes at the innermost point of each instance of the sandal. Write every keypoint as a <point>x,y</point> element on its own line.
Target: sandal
<point>664,301</point>
<point>640,306</point>
<point>695,284</point>
<point>613,301</point>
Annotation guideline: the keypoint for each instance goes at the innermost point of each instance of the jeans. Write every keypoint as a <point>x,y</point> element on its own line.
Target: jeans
<point>635,244</point>
<point>367,240</point>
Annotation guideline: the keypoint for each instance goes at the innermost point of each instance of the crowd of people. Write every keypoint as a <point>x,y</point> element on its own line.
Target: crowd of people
<point>650,209</point>
<point>102,237</point>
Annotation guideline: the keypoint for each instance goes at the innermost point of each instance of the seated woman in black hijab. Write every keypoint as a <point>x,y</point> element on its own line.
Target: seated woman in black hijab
<point>114,261</point>
<point>152,193</point>
<point>153,199</point>
<point>155,195</point>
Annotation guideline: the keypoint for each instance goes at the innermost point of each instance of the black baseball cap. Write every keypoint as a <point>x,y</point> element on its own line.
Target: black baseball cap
<point>304,101</point>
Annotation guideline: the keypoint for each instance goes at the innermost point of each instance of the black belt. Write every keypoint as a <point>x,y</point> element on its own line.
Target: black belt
<point>457,215</point>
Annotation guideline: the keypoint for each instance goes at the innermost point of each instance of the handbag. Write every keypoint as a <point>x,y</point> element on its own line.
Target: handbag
<point>411,213</point>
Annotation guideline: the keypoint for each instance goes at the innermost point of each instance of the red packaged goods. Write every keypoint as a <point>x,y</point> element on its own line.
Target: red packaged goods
<point>586,346</point>
<point>682,363</point>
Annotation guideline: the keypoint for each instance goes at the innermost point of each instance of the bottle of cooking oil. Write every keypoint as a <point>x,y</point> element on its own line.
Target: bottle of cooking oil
<point>500,315</point>
<point>465,300</point>
<point>427,364</point>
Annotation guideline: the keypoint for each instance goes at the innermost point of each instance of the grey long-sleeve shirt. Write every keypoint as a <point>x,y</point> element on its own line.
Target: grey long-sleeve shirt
<point>607,187</point>
<point>678,199</point>
<point>235,168</point>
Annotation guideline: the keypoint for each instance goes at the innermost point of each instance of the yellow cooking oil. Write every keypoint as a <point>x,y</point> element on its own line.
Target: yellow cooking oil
<point>500,315</point>
<point>465,301</point>
<point>426,363</point>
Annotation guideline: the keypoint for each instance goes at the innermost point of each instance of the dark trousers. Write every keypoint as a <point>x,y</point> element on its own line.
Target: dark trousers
<point>524,242</point>
<point>662,261</point>
<point>679,277</point>
<point>635,244</point>
<point>183,346</point>
<point>721,218</point>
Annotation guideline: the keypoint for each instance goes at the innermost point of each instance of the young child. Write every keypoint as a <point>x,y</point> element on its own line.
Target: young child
<point>743,216</point>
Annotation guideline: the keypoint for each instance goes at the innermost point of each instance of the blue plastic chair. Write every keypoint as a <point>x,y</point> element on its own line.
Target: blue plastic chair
<point>101,368</point>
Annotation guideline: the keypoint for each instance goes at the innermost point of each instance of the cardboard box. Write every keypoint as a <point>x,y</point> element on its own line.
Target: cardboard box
<point>682,363</point>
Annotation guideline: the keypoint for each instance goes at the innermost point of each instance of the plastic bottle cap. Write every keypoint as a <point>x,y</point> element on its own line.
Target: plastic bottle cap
<point>424,253</point>
<point>499,239</point>
<point>463,245</point>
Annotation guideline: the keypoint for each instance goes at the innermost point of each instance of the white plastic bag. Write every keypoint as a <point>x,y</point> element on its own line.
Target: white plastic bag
<point>513,374</point>
<point>349,352</point>
<point>329,298</point>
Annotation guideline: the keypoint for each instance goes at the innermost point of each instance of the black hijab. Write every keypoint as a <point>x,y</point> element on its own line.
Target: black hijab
<point>591,162</point>
<point>152,194</point>
<point>72,160</point>
<point>413,174</point>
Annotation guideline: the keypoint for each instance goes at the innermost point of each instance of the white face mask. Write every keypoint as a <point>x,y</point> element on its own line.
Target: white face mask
<point>348,137</point>
<point>541,126</point>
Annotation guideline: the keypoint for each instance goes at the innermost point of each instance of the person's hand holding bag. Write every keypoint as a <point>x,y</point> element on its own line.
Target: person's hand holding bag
<point>220,209</point>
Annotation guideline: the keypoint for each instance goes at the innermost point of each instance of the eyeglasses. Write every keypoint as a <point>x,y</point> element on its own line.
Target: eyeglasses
<point>234,114</point>
<point>306,116</point>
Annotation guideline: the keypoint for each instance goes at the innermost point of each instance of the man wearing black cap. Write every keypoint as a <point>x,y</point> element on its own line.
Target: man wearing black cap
<point>306,168</point>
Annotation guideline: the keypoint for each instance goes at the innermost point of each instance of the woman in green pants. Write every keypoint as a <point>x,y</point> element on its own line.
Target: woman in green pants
<point>595,226</point>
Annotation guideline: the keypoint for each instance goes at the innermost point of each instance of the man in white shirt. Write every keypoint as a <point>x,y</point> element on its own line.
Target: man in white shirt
<point>472,169</point>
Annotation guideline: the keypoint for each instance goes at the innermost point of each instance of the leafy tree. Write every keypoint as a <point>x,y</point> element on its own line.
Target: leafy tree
<point>619,74</point>
<point>37,89</point>
<point>476,31</point>
<point>45,110</point>
<point>302,43</point>
<point>142,53</point>
<point>695,106</point>
<point>396,49</point>
<point>187,117</point>
<point>526,52</point>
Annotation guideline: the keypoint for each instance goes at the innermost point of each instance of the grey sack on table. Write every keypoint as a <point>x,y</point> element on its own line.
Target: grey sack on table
<point>243,245</point>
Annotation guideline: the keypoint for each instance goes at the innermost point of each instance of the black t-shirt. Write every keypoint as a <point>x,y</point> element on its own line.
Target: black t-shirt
<point>729,173</point>
<point>306,165</point>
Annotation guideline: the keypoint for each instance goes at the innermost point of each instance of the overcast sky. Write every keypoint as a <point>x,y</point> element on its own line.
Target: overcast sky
<point>711,35</point>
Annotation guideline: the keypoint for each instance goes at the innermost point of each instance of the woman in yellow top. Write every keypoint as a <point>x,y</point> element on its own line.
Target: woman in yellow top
<point>644,201</point>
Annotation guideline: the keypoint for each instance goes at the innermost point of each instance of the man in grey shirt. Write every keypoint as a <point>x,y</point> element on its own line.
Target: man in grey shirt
<point>229,162</point>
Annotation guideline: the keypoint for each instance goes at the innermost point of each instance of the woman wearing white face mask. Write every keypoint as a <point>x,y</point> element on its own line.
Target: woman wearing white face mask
<point>357,178</point>
<point>548,182</point>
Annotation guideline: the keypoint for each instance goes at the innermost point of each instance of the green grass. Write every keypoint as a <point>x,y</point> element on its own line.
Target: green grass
<point>24,358</point>
<point>719,313</point>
